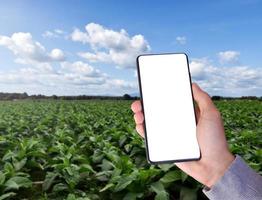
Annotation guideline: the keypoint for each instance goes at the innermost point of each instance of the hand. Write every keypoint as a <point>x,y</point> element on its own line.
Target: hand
<point>215,155</point>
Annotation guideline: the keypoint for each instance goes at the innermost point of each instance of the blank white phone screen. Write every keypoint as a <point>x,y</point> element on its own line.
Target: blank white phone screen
<point>168,108</point>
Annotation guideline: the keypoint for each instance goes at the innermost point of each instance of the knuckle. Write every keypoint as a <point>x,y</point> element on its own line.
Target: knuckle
<point>139,118</point>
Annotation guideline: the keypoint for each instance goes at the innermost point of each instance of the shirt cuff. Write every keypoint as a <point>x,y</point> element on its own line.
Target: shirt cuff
<point>238,182</point>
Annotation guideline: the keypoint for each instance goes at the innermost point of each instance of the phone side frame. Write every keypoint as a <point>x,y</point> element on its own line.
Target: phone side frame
<point>142,105</point>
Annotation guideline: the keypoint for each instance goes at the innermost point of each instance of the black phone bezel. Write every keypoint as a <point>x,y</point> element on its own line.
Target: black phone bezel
<point>142,104</point>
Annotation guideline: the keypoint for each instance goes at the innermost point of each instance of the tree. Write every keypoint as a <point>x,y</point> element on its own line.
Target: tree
<point>217,98</point>
<point>127,97</point>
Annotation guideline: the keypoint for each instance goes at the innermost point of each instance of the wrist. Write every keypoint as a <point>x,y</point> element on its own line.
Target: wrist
<point>217,169</point>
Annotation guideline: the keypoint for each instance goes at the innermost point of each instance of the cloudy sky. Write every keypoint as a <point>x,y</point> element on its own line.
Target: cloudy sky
<point>89,47</point>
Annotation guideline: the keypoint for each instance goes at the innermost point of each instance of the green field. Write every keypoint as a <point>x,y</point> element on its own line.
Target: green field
<point>90,150</point>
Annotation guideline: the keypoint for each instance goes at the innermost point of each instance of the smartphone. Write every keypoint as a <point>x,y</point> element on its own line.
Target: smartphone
<point>167,104</point>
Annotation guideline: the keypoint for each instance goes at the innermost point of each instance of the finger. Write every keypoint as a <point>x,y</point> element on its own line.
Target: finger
<point>140,130</point>
<point>202,98</point>
<point>136,106</point>
<point>139,118</point>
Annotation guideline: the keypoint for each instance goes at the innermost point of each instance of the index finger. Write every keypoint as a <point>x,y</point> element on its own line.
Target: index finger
<point>136,106</point>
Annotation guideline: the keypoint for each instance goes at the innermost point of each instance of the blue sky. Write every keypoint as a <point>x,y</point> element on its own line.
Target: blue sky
<point>89,47</point>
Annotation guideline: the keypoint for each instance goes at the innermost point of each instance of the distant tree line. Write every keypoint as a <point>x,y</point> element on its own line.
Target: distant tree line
<point>12,96</point>
<point>217,98</point>
<point>21,96</point>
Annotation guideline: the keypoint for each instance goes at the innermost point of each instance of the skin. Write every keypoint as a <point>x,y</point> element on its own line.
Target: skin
<point>215,155</point>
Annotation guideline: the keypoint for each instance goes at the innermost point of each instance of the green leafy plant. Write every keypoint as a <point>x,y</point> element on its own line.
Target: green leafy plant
<point>90,150</point>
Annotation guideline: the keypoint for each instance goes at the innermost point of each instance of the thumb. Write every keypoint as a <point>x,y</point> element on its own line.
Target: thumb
<point>202,98</point>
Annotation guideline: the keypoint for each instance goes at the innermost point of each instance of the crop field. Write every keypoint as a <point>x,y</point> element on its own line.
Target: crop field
<point>90,150</point>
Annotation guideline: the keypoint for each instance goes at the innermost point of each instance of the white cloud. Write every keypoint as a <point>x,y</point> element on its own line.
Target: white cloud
<point>41,75</point>
<point>29,51</point>
<point>228,56</point>
<point>57,55</point>
<point>49,34</point>
<point>79,36</point>
<point>110,46</point>
<point>56,33</point>
<point>59,31</point>
<point>197,68</point>
<point>71,78</point>
<point>122,84</point>
<point>181,40</point>
<point>81,68</point>
<point>227,81</point>
<point>96,57</point>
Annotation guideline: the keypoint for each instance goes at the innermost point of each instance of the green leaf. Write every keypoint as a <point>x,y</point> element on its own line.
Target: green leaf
<point>17,182</point>
<point>157,187</point>
<point>128,147</point>
<point>122,140</point>
<point>7,195</point>
<point>49,180</point>
<point>147,175</point>
<point>8,168</point>
<point>116,173</point>
<point>106,187</point>
<point>19,164</point>
<point>106,165</point>
<point>60,187</point>
<point>132,196</point>
<point>86,168</point>
<point>2,178</point>
<point>162,196</point>
<point>171,177</point>
<point>183,176</point>
<point>2,138</point>
<point>11,185</point>
<point>71,197</point>
<point>165,167</point>
<point>102,176</point>
<point>123,183</point>
<point>70,170</point>
<point>8,155</point>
